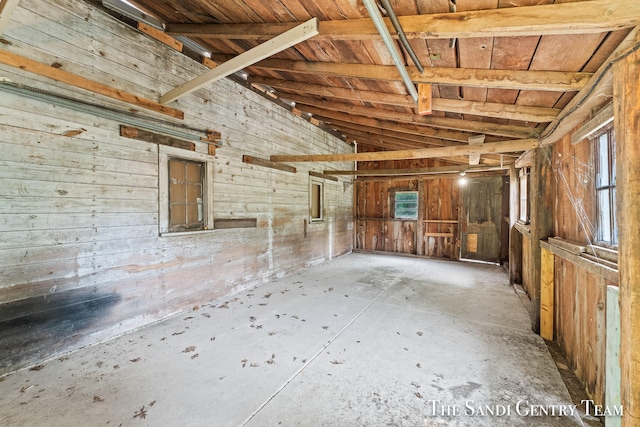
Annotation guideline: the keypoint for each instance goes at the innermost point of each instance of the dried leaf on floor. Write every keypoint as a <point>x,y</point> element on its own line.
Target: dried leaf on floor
<point>325,327</point>
<point>36,368</point>
<point>63,358</point>
<point>97,399</point>
<point>272,333</point>
<point>194,356</point>
<point>196,308</point>
<point>26,388</point>
<point>271,361</point>
<point>254,365</point>
<point>207,315</point>
<point>258,326</point>
<point>263,304</point>
<point>152,403</point>
<point>419,334</point>
<point>212,339</point>
<point>116,366</point>
<point>418,394</point>
<point>244,362</point>
<point>268,295</point>
<point>137,359</point>
<point>188,317</point>
<point>337,362</point>
<point>178,333</point>
<point>142,413</point>
<point>418,365</point>
<point>252,319</point>
<point>189,349</point>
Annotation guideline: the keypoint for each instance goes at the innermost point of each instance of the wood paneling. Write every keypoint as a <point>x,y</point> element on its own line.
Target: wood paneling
<point>79,203</point>
<point>580,324</point>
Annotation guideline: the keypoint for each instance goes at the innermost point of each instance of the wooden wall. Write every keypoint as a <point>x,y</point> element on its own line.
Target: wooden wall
<point>580,293</point>
<point>435,233</point>
<point>79,211</point>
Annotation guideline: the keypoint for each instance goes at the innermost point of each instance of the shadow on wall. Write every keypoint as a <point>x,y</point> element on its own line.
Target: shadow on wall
<point>37,328</point>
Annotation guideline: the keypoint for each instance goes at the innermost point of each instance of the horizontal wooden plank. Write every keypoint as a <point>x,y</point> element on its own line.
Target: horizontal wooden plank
<point>80,82</point>
<point>323,176</point>
<point>565,18</point>
<point>155,138</point>
<point>493,147</point>
<point>160,36</point>
<point>226,223</point>
<point>267,163</point>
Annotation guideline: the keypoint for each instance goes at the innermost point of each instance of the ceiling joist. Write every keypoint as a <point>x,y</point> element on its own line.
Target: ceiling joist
<point>582,17</point>
<point>416,171</point>
<point>426,153</point>
<point>277,44</point>
<point>328,110</point>
<point>558,81</point>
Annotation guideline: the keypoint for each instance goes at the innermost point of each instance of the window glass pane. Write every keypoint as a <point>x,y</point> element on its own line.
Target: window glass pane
<point>185,195</point>
<point>604,218</point>
<point>406,204</point>
<point>602,176</point>
<point>316,200</point>
<point>612,152</point>
<point>614,232</point>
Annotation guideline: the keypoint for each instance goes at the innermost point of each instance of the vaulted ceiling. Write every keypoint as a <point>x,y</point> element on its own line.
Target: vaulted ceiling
<point>493,70</point>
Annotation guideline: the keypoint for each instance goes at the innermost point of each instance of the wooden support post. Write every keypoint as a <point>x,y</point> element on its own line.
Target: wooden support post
<point>424,99</point>
<point>546,294</point>
<point>515,238</point>
<point>626,101</point>
<point>612,362</point>
<point>541,216</point>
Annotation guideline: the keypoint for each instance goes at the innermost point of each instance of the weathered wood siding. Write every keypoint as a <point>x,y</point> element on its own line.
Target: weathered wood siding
<point>580,295</point>
<point>435,233</point>
<point>79,205</point>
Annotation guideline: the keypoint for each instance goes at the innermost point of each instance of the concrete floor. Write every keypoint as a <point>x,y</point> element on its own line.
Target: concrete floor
<point>363,340</point>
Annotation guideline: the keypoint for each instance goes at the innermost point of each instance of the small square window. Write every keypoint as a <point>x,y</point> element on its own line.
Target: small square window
<point>406,205</point>
<point>186,196</point>
<point>316,200</point>
<point>185,179</point>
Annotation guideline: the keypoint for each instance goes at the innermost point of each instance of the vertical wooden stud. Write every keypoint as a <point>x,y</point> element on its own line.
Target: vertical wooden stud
<point>626,101</point>
<point>424,99</point>
<point>546,294</point>
<point>612,361</point>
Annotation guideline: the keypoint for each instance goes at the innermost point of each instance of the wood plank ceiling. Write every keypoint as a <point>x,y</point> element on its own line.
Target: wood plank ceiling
<point>505,72</point>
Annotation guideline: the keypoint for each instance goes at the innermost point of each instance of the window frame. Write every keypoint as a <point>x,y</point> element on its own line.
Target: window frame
<point>524,199</point>
<point>166,153</point>
<point>609,188</point>
<point>319,183</point>
<point>395,203</point>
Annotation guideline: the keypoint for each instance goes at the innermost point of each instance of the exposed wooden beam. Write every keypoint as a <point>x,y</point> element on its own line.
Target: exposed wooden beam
<point>425,101</point>
<point>558,81</point>
<point>335,92</point>
<point>474,159</point>
<point>267,163</point>
<point>330,109</point>
<point>426,153</point>
<point>582,17</point>
<point>59,75</point>
<point>486,109</point>
<point>421,131</point>
<point>277,44</point>
<point>6,10</point>
<point>161,36</point>
<point>501,111</point>
<point>416,171</point>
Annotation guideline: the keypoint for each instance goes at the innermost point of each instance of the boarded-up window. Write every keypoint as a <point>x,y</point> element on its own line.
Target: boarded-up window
<point>606,187</point>
<point>186,202</point>
<point>406,204</point>
<point>316,200</point>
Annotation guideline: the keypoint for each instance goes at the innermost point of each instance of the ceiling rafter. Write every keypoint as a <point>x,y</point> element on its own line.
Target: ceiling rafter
<point>559,81</point>
<point>277,44</point>
<point>582,17</point>
<point>325,109</point>
<point>425,153</point>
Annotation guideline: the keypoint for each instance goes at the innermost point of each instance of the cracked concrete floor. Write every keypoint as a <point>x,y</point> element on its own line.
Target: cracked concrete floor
<point>363,340</point>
